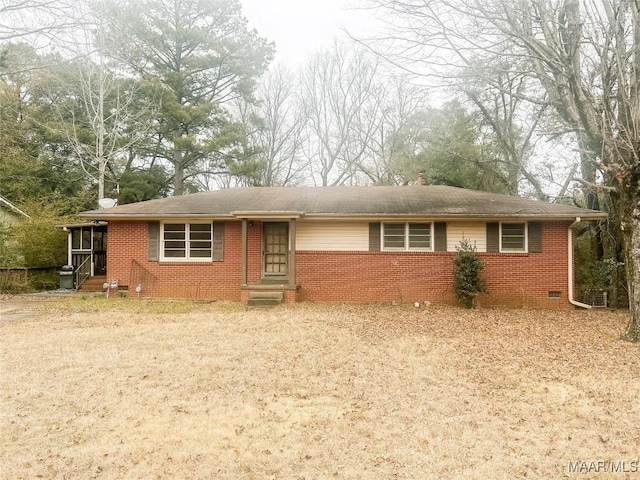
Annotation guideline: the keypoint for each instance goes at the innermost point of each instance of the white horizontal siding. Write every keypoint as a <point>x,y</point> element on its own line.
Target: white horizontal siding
<point>475,232</point>
<point>337,236</point>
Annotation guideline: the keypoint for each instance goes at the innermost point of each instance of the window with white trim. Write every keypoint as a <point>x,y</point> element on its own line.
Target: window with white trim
<point>407,236</point>
<point>513,237</point>
<point>187,241</point>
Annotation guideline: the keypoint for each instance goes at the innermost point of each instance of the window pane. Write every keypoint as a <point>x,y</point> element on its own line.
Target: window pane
<point>86,239</point>
<point>512,243</point>
<point>394,229</point>
<point>174,240</point>
<point>174,245</point>
<point>75,238</point>
<point>513,236</point>
<point>420,235</point>
<point>174,235</point>
<point>513,229</point>
<point>200,240</point>
<point>200,235</point>
<point>187,240</point>
<point>200,253</point>
<point>420,243</point>
<point>174,227</point>
<point>394,235</point>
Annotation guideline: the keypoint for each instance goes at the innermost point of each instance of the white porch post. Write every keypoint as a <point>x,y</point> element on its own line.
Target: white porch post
<point>91,253</point>
<point>292,253</point>
<point>69,246</point>
<point>244,251</point>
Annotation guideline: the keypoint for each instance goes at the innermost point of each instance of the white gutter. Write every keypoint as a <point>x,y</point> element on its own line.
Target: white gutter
<point>570,266</point>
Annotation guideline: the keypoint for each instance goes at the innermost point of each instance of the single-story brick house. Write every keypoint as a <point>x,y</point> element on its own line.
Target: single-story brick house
<point>354,244</point>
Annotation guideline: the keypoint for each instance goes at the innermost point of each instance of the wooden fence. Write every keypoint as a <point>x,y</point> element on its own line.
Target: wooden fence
<point>28,279</point>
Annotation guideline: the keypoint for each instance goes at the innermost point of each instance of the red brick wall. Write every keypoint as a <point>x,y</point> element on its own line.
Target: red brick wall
<point>526,279</point>
<point>375,276</point>
<point>512,279</point>
<point>127,262</point>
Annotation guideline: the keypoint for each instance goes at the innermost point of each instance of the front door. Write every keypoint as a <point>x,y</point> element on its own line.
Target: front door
<point>275,237</point>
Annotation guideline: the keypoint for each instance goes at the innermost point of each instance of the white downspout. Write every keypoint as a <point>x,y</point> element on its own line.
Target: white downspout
<point>570,266</point>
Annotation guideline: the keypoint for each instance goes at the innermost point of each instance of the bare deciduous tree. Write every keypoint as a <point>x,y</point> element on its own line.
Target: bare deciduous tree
<point>585,57</point>
<point>498,93</point>
<point>399,133</point>
<point>109,126</point>
<point>336,87</point>
<point>276,129</point>
<point>42,22</point>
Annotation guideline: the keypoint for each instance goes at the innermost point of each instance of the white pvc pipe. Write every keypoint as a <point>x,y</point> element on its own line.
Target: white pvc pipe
<point>570,266</point>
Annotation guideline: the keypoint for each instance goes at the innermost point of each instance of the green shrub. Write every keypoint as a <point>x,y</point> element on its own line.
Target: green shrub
<point>9,248</point>
<point>468,281</point>
<point>40,242</point>
<point>31,252</point>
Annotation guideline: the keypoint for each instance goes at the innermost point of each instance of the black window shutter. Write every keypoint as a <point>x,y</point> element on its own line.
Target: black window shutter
<point>493,237</point>
<point>440,237</point>
<point>534,230</point>
<point>218,241</point>
<point>374,237</point>
<point>154,242</point>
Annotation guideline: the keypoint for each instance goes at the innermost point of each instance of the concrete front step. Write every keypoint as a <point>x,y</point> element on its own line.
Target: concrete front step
<point>264,299</point>
<point>94,284</point>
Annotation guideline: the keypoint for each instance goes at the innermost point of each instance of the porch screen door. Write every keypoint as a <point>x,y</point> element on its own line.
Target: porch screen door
<point>100,251</point>
<point>275,251</point>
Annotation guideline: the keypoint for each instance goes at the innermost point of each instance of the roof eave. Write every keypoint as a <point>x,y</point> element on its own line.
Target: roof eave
<point>94,223</point>
<point>262,215</point>
<point>460,216</point>
<point>151,216</point>
<point>343,216</point>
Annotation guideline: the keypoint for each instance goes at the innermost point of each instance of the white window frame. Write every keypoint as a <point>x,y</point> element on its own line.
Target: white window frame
<point>82,247</point>
<point>187,240</point>
<point>525,243</point>
<point>405,247</point>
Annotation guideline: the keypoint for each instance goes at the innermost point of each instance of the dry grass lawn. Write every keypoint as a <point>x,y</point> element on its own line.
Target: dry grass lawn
<point>97,388</point>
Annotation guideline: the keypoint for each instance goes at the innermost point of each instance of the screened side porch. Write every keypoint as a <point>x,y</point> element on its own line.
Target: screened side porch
<point>87,250</point>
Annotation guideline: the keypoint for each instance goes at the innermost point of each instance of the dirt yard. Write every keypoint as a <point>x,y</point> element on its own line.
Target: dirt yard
<point>98,388</point>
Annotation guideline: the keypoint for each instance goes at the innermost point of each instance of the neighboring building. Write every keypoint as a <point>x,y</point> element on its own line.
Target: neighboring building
<point>9,253</point>
<point>9,213</point>
<point>342,244</point>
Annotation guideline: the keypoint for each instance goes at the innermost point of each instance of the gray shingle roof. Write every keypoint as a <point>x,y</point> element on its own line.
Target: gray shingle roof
<point>429,200</point>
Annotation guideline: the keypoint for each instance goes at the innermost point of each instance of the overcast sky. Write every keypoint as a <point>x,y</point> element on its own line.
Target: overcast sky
<point>299,27</point>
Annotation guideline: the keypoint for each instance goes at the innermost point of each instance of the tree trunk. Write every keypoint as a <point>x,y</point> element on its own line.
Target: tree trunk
<point>626,204</point>
<point>631,234</point>
<point>178,172</point>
